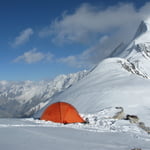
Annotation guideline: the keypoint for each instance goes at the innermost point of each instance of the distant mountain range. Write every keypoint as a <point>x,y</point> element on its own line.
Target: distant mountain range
<point>22,99</point>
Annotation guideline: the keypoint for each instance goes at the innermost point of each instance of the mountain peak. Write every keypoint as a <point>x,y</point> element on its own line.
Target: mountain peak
<point>147,21</point>
<point>143,27</point>
<point>143,33</point>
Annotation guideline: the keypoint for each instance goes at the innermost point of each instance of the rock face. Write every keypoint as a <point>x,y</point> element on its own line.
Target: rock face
<point>144,127</point>
<point>120,114</point>
<point>132,118</point>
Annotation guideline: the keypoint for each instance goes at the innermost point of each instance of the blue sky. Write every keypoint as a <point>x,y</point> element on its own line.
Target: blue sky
<point>41,39</point>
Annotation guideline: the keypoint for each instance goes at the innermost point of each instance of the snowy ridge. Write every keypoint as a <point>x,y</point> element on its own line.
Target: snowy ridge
<point>137,53</point>
<point>140,57</point>
<point>130,67</point>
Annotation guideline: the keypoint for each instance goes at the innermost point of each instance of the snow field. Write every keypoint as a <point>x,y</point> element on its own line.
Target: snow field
<point>100,133</point>
<point>99,122</point>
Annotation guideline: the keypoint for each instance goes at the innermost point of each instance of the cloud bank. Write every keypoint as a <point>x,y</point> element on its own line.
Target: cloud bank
<point>33,56</point>
<point>23,37</point>
<point>102,29</point>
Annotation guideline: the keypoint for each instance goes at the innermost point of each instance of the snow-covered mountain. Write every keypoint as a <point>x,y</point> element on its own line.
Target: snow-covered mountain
<point>122,80</point>
<point>20,99</point>
<point>138,51</point>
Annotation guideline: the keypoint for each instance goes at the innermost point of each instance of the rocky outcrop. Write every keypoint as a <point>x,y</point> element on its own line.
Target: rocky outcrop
<point>132,118</point>
<point>145,128</point>
<point>120,114</point>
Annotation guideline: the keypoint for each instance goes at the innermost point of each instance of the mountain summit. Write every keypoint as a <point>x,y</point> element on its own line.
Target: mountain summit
<point>137,53</point>
<point>143,28</point>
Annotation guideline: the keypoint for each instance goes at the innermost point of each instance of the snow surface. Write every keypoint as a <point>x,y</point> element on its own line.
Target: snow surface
<point>101,133</point>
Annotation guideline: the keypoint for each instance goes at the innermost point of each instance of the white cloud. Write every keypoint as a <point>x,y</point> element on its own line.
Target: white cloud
<point>106,28</point>
<point>23,37</point>
<point>88,20</point>
<point>34,56</point>
<point>70,60</point>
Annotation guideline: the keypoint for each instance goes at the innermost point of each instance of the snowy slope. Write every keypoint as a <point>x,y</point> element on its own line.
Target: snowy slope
<point>19,99</point>
<point>110,85</point>
<point>119,81</point>
<point>29,134</point>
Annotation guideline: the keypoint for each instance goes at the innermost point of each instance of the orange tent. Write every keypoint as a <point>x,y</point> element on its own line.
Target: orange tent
<point>61,112</point>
